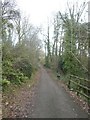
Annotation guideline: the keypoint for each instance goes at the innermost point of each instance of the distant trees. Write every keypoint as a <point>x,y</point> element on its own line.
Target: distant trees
<point>48,48</point>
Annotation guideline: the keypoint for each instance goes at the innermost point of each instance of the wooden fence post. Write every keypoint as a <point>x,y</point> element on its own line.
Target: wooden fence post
<point>69,82</point>
<point>78,87</point>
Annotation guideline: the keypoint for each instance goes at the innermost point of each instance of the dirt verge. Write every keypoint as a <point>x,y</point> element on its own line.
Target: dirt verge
<point>16,100</point>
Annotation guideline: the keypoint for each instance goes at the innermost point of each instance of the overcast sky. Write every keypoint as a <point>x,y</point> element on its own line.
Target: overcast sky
<point>40,10</point>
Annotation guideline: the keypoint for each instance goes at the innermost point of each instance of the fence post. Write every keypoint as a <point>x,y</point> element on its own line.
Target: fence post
<point>69,81</point>
<point>78,87</point>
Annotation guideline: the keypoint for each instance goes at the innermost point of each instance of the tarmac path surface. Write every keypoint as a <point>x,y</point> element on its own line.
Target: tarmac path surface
<point>52,101</point>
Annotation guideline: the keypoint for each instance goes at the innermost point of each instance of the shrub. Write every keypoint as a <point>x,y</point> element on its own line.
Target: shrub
<point>5,82</point>
<point>24,66</point>
<point>15,73</point>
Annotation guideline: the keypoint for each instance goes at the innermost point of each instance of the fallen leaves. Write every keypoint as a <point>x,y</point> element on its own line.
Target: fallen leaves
<point>6,103</point>
<point>20,103</point>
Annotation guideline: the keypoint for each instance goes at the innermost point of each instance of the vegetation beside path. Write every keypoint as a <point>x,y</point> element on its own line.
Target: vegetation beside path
<point>16,97</point>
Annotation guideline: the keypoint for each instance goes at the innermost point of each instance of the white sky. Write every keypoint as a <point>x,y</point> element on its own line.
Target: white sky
<point>39,10</point>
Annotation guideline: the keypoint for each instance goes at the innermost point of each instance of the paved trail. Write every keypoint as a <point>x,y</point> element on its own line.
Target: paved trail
<point>53,101</point>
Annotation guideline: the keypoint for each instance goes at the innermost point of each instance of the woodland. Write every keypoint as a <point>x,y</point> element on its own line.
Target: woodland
<point>67,53</point>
